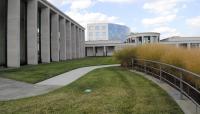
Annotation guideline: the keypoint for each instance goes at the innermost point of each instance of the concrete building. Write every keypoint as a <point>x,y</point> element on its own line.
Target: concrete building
<point>34,31</point>
<point>107,31</point>
<point>103,48</point>
<point>186,42</point>
<point>107,47</point>
<point>143,38</point>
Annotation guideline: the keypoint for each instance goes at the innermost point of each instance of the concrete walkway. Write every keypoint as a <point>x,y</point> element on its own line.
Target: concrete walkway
<point>67,78</point>
<point>11,90</point>
<point>186,105</point>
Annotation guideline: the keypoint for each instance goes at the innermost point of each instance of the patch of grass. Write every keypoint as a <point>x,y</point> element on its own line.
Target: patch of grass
<point>37,73</point>
<point>114,91</point>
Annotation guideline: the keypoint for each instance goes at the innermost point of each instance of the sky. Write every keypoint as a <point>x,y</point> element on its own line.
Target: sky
<point>168,17</point>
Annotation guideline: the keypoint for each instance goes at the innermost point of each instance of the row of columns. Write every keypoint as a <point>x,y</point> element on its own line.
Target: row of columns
<point>61,39</point>
<point>95,50</point>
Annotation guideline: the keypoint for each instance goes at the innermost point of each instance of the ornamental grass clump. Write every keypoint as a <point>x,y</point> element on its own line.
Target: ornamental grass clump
<point>151,52</point>
<point>188,59</point>
<point>125,55</point>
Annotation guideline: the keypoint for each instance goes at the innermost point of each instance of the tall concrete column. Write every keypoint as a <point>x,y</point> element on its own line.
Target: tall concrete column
<point>177,45</point>
<point>68,41</point>
<point>55,37</point>
<point>32,13</point>
<point>80,44</point>
<point>104,50</point>
<point>77,42</point>
<point>83,34</point>
<point>62,39</point>
<point>72,40</point>
<point>143,41</point>
<point>45,35</point>
<point>13,33</point>
<point>151,39</point>
<point>189,45</point>
<point>94,51</point>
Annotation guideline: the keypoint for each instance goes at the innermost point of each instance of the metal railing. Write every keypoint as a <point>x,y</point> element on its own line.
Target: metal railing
<point>186,82</point>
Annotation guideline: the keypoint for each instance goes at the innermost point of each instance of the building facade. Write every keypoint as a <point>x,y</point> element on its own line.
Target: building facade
<point>107,31</point>
<point>185,42</point>
<point>107,47</point>
<point>143,38</point>
<point>104,48</point>
<point>34,31</point>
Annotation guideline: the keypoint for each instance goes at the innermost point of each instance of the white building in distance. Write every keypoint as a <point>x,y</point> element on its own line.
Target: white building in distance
<point>186,42</point>
<point>107,31</point>
<point>143,38</point>
<point>107,47</point>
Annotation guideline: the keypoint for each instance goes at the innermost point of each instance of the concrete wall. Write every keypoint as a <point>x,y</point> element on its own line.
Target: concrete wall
<point>99,51</point>
<point>110,50</point>
<point>89,51</point>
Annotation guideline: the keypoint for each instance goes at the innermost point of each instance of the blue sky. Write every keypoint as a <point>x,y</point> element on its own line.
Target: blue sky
<point>169,17</point>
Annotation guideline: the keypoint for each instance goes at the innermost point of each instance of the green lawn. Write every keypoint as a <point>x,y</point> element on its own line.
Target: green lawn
<point>114,91</point>
<point>34,74</point>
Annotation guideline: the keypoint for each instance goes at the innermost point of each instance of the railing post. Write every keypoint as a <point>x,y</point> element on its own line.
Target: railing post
<point>145,67</point>
<point>181,86</point>
<point>132,62</point>
<point>197,109</point>
<point>160,68</point>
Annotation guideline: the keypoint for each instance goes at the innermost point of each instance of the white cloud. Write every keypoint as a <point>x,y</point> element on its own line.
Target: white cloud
<point>165,12</point>
<point>194,22</point>
<point>163,7</point>
<point>166,31</point>
<point>74,4</point>
<point>117,1</point>
<point>83,4</point>
<point>161,20</point>
<point>86,17</point>
<point>58,2</point>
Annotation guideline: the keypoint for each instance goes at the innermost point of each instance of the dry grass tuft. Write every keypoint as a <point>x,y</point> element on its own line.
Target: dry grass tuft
<point>185,58</point>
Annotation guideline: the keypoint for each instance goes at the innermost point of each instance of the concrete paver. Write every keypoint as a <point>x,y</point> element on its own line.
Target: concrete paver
<point>67,78</point>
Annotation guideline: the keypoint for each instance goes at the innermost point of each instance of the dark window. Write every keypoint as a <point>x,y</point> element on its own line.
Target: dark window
<point>3,31</point>
<point>23,33</point>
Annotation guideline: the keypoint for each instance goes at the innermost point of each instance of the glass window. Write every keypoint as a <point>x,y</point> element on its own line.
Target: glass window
<point>103,27</point>
<point>90,27</point>
<point>103,33</point>
<point>96,27</point>
<point>90,33</point>
<point>97,34</point>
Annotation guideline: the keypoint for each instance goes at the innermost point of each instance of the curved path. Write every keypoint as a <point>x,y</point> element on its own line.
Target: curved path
<point>10,89</point>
